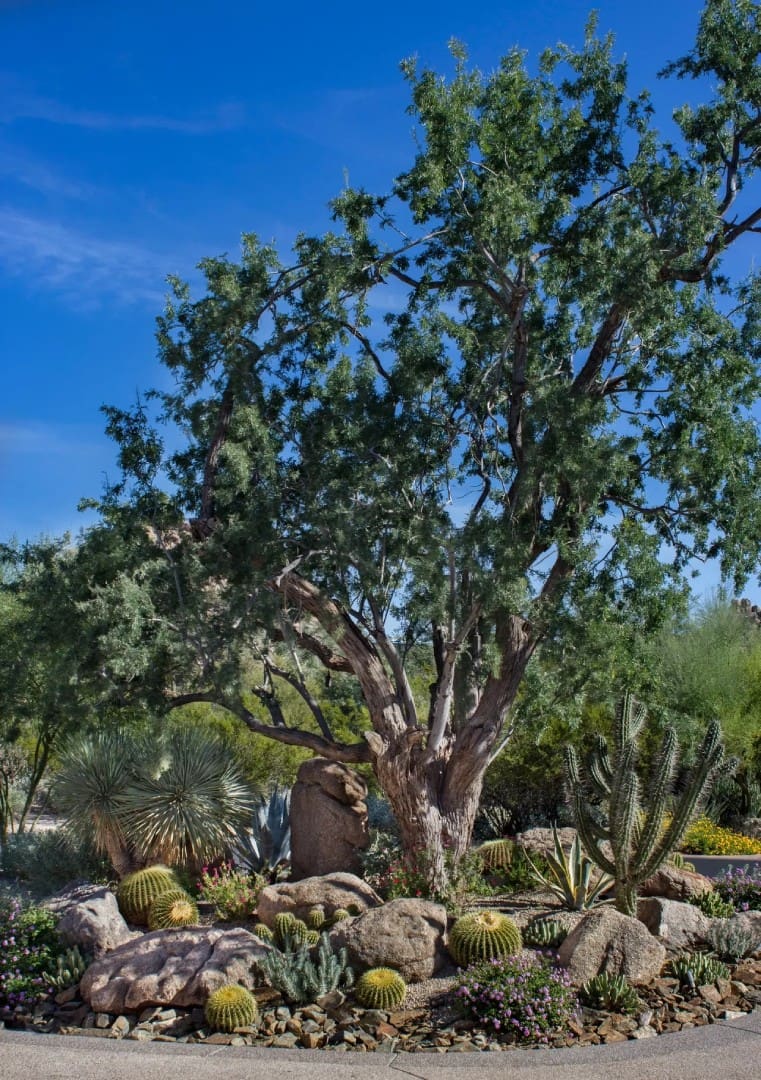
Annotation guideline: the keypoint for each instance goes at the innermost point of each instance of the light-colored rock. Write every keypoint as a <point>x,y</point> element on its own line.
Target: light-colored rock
<point>172,967</point>
<point>679,926</point>
<point>89,918</point>
<point>328,819</point>
<point>408,935</point>
<point>541,841</point>
<point>331,891</point>
<point>672,883</point>
<point>606,940</point>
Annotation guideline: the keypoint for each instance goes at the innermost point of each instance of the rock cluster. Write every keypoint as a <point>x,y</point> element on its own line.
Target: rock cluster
<point>331,891</point>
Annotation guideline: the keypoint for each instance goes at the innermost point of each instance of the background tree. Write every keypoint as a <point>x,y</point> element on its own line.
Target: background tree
<point>555,411</point>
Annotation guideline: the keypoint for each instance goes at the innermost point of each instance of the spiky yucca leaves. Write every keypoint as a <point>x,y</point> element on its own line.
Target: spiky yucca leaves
<point>544,933</point>
<point>569,877</point>
<point>138,891</point>
<point>264,933</point>
<point>496,855</point>
<point>89,787</point>
<point>483,935</point>
<point>262,844</point>
<point>381,988</point>
<point>187,810</point>
<point>230,1007</point>
<point>609,991</point>
<point>635,819</point>
<point>172,909</point>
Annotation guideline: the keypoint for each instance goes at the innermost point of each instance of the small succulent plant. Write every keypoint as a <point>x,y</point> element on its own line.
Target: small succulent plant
<point>381,988</point>
<point>264,933</point>
<point>712,905</point>
<point>678,861</point>
<point>137,892</point>
<point>544,933</point>
<point>230,1007</point>
<point>483,935</point>
<point>609,991</point>
<point>70,967</point>
<point>316,919</point>
<point>172,909</point>
<point>698,969</point>
<point>340,914</point>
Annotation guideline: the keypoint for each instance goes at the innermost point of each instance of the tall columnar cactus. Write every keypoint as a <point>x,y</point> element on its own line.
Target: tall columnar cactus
<point>637,830</point>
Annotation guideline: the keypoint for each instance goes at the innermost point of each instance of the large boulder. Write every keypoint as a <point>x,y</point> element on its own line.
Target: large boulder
<point>542,842</point>
<point>606,940</point>
<point>679,926</point>
<point>328,819</point>
<point>172,967</point>
<point>408,935</point>
<point>331,892</point>
<point>673,883</point>
<point>89,918</point>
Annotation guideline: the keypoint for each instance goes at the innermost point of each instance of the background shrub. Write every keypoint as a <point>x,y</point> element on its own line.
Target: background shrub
<point>47,861</point>
<point>29,949</point>
<point>741,886</point>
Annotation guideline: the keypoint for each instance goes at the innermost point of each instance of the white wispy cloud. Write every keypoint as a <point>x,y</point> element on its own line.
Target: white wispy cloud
<point>34,173</point>
<point>82,267</point>
<point>19,105</point>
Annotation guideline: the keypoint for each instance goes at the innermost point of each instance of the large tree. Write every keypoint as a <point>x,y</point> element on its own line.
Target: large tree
<point>516,389</point>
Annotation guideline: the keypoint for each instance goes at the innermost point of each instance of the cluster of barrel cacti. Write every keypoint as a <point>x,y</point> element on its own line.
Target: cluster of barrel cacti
<point>153,897</point>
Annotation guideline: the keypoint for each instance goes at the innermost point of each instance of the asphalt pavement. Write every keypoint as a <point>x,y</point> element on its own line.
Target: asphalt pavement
<point>723,1051</point>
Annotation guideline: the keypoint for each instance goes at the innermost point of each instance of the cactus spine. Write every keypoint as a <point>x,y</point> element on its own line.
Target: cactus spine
<point>137,892</point>
<point>230,1007</point>
<point>483,935</point>
<point>381,988</point>
<point>635,826</point>
<point>172,909</point>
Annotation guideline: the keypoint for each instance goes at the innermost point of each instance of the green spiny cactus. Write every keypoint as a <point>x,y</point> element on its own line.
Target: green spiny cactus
<point>678,861</point>
<point>230,1007</point>
<point>340,914</point>
<point>137,892</point>
<point>313,938</point>
<point>264,933</point>
<point>70,967</point>
<point>172,909</point>
<point>609,991</point>
<point>635,820</point>
<point>569,877</point>
<point>496,855</point>
<point>282,923</point>
<point>483,935</point>
<point>544,933</point>
<point>381,988</point>
<point>300,978</point>
<point>291,935</point>
<point>315,919</point>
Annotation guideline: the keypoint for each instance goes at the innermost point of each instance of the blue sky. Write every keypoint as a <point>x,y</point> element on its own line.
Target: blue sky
<point>136,139</point>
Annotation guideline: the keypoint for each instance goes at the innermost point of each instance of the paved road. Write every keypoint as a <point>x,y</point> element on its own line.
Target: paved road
<point>729,1051</point>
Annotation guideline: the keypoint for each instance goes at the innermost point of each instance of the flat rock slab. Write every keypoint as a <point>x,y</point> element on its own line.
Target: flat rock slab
<point>330,891</point>
<point>172,967</point>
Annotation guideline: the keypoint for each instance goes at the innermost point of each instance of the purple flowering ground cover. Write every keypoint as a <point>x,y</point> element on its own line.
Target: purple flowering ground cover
<point>741,886</point>
<point>521,998</point>
<point>28,949</point>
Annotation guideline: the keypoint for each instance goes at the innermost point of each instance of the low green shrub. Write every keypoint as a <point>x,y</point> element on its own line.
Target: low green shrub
<point>234,892</point>
<point>29,951</point>
<point>45,862</point>
<point>712,905</point>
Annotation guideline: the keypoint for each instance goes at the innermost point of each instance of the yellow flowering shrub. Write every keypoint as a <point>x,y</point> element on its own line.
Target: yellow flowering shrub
<point>705,838</point>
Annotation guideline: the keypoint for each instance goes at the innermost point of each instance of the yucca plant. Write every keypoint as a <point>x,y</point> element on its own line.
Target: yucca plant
<point>89,789</point>
<point>187,811</point>
<point>570,877</point>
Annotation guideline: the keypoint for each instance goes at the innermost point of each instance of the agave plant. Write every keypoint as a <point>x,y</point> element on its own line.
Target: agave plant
<point>188,810</point>
<point>266,844</point>
<point>569,877</point>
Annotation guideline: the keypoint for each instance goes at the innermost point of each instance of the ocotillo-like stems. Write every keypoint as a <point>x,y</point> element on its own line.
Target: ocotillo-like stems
<point>635,829</point>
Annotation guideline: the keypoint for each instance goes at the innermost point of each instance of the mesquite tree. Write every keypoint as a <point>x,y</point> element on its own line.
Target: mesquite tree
<point>517,381</point>
<point>637,830</point>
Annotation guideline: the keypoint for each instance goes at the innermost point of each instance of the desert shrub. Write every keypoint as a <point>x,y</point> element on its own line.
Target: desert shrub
<point>394,876</point>
<point>44,862</point>
<point>731,942</point>
<point>234,892</point>
<point>29,950</point>
<point>705,838</point>
<point>521,998</point>
<point>741,886</point>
